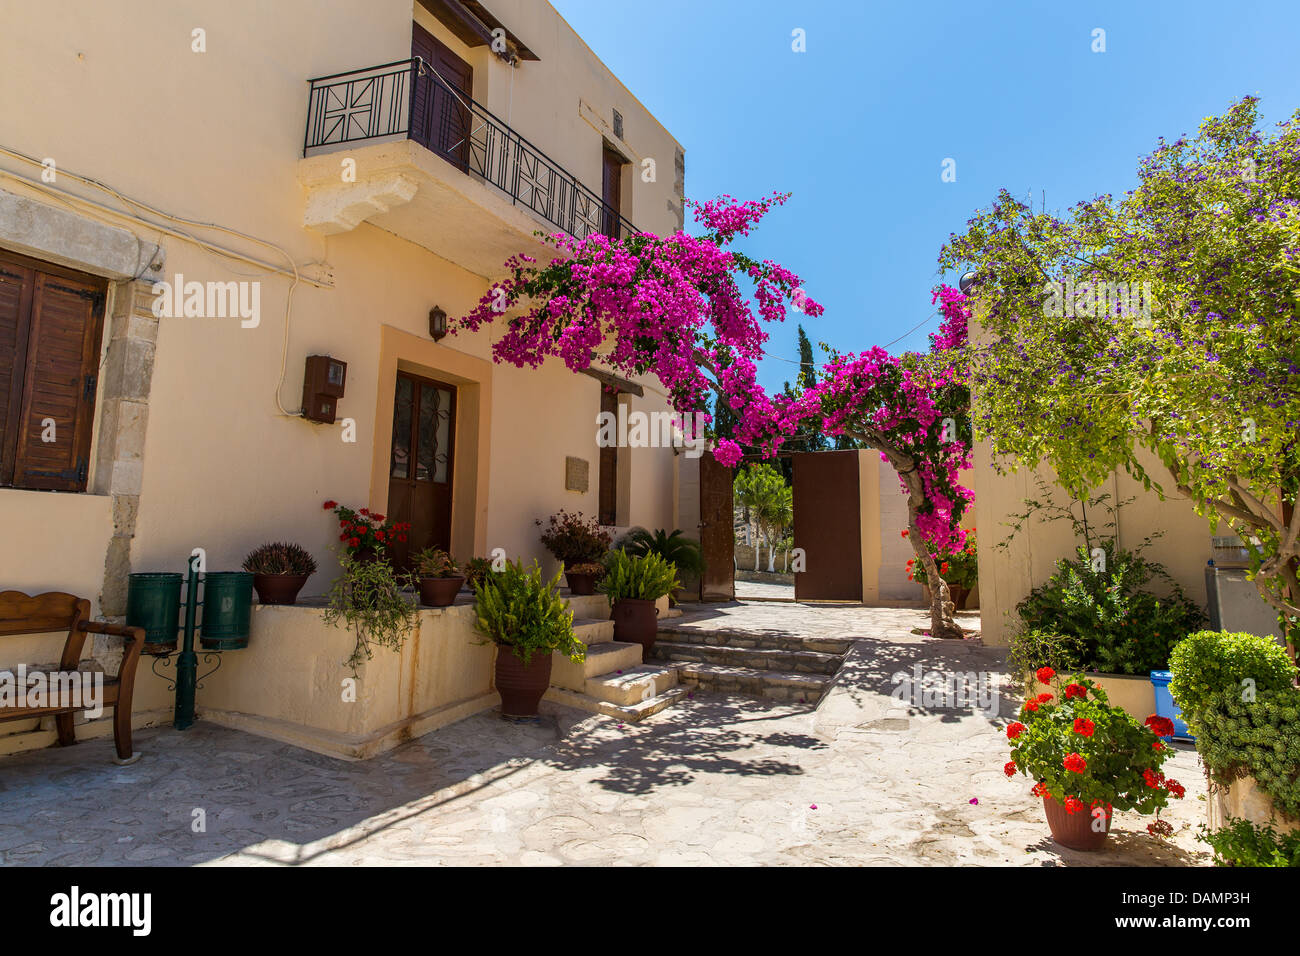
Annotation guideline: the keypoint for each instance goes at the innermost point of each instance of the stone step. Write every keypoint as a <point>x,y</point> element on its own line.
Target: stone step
<point>588,607</point>
<point>686,635</point>
<point>591,631</point>
<point>632,685</point>
<point>606,657</point>
<point>755,682</point>
<point>760,658</point>
<point>628,712</point>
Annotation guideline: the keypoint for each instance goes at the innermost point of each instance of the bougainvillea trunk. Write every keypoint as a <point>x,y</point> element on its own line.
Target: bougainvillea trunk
<point>941,603</point>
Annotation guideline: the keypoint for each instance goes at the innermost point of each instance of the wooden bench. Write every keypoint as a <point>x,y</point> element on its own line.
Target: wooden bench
<point>55,611</point>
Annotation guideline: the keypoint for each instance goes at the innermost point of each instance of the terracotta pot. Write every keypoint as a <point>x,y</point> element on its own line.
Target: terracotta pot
<point>1074,830</point>
<point>521,686</point>
<point>636,622</point>
<point>581,583</point>
<point>439,592</point>
<point>279,588</point>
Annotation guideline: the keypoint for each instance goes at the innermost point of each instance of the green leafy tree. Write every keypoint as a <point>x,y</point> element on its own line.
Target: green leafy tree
<point>769,501</point>
<point>1160,322</point>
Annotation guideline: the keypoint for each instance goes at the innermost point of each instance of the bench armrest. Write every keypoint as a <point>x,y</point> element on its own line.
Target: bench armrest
<point>136,634</point>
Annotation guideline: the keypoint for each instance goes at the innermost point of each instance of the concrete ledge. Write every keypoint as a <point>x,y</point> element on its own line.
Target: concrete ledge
<point>56,235</point>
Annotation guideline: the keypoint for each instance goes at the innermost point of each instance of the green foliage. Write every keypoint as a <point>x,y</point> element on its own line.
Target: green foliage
<point>641,578</point>
<point>435,563</point>
<point>517,609</point>
<point>1120,755</point>
<point>1243,843</point>
<point>1125,628</point>
<point>475,570</point>
<point>1209,663</point>
<point>1034,648</point>
<point>280,557</point>
<point>958,568</point>
<point>367,597</point>
<point>573,539</point>
<point>674,548</point>
<point>1258,738</point>
<point>768,500</point>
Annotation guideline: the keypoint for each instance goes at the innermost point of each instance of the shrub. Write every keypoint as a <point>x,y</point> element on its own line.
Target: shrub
<point>517,609</point>
<point>476,571</point>
<point>675,548</point>
<point>435,563</point>
<point>571,538</point>
<point>1259,738</point>
<point>1242,843</point>
<point>959,568</point>
<point>368,598</point>
<point>1207,663</point>
<point>644,578</point>
<point>1125,628</point>
<point>280,557</point>
<point>1083,753</point>
<point>1032,649</point>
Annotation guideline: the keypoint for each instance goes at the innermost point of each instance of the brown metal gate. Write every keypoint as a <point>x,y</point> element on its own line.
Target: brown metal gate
<point>717,531</point>
<point>828,525</point>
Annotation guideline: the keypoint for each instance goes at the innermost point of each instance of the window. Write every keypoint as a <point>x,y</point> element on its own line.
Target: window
<point>51,320</point>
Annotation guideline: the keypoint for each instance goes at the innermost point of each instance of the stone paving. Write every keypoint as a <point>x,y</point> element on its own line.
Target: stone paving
<point>715,780</point>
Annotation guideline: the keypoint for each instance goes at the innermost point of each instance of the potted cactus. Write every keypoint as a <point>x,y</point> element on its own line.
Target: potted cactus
<point>528,620</point>
<point>438,577</point>
<point>633,583</point>
<point>280,569</point>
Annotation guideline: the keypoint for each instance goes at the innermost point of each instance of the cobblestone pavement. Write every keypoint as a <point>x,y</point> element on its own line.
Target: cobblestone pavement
<point>748,590</point>
<point>713,781</point>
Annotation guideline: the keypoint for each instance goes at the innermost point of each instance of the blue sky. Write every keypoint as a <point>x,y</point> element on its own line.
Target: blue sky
<point>857,127</point>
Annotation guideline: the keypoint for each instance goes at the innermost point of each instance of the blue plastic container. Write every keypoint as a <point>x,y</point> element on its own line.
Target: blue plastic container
<point>1166,706</point>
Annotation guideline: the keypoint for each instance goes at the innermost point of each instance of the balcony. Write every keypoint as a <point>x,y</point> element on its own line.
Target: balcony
<point>437,168</point>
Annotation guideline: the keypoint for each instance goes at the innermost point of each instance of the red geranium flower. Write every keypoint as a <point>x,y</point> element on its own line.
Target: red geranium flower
<point>1160,828</point>
<point>1073,762</point>
<point>1076,690</point>
<point>904,532</point>
<point>1015,729</point>
<point>1176,788</point>
<point>1044,675</point>
<point>1040,790</point>
<point>1043,698</point>
<point>1084,726</point>
<point>1160,726</point>
<point>1031,705</point>
<point>378,518</point>
<point>330,505</point>
<point>1010,768</point>
<point>353,542</point>
<point>1152,778</point>
<point>1073,805</point>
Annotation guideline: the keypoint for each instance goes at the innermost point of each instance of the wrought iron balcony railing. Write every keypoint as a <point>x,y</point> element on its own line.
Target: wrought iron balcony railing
<point>410,98</point>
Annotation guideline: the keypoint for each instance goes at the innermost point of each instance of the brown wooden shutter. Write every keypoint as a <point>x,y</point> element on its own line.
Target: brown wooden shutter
<point>61,377</point>
<point>16,285</point>
<point>608,494</point>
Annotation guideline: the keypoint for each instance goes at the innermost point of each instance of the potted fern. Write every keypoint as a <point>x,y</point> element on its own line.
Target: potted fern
<point>527,619</point>
<point>633,583</point>
<point>438,577</point>
<point>280,569</point>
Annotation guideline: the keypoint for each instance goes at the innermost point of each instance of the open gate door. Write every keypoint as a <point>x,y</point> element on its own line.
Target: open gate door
<point>828,525</point>
<point>717,531</point>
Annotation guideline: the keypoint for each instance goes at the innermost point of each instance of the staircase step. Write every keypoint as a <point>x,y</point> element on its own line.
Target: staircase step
<point>634,685</point>
<point>606,657</point>
<point>588,607</point>
<point>761,658</point>
<point>591,631</point>
<point>628,712</point>
<point>755,682</point>
<point>684,634</point>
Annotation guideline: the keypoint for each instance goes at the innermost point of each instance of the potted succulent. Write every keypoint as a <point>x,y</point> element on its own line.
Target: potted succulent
<point>280,570</point>
<point>475,571</point>
<point>528,620</point>
<point>579,543</point>
<point>1090,759</point>
<point>633,583</point>
<point>438,577</point>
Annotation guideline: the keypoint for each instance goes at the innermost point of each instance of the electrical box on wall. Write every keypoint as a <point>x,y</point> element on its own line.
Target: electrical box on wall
<point>322,387</point>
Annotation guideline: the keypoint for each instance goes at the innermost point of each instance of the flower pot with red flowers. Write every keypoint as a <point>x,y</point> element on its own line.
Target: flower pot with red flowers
<point>365,535</point>
<point>526,618</point>
<point>633,583</point>
<point>578,542</point>
<point>1089,759</point>
<point>439,579</point>
<point>280,570</point>
<point>960,570</point>
<point>583,576</point>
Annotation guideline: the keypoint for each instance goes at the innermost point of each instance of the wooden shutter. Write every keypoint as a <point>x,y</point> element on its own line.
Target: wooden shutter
<point>59,383</point>
<point>16,285</point>
<point>608,494</point>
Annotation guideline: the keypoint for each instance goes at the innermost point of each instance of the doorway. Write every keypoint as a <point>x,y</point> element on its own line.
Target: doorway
<point>420,464</point>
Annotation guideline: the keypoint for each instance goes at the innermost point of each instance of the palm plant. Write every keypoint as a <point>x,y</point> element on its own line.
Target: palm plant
<point>676,548</point>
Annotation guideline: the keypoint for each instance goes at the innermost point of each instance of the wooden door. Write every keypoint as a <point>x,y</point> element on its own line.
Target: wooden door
<point>717,531</point>
<point>612,192</point>
<point>441,118</point>
<point>827,525</point>
<point>420,463</point>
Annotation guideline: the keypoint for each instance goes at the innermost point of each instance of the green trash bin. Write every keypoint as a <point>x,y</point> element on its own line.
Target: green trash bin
<point>153,602</point>
<point>227,610</point>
